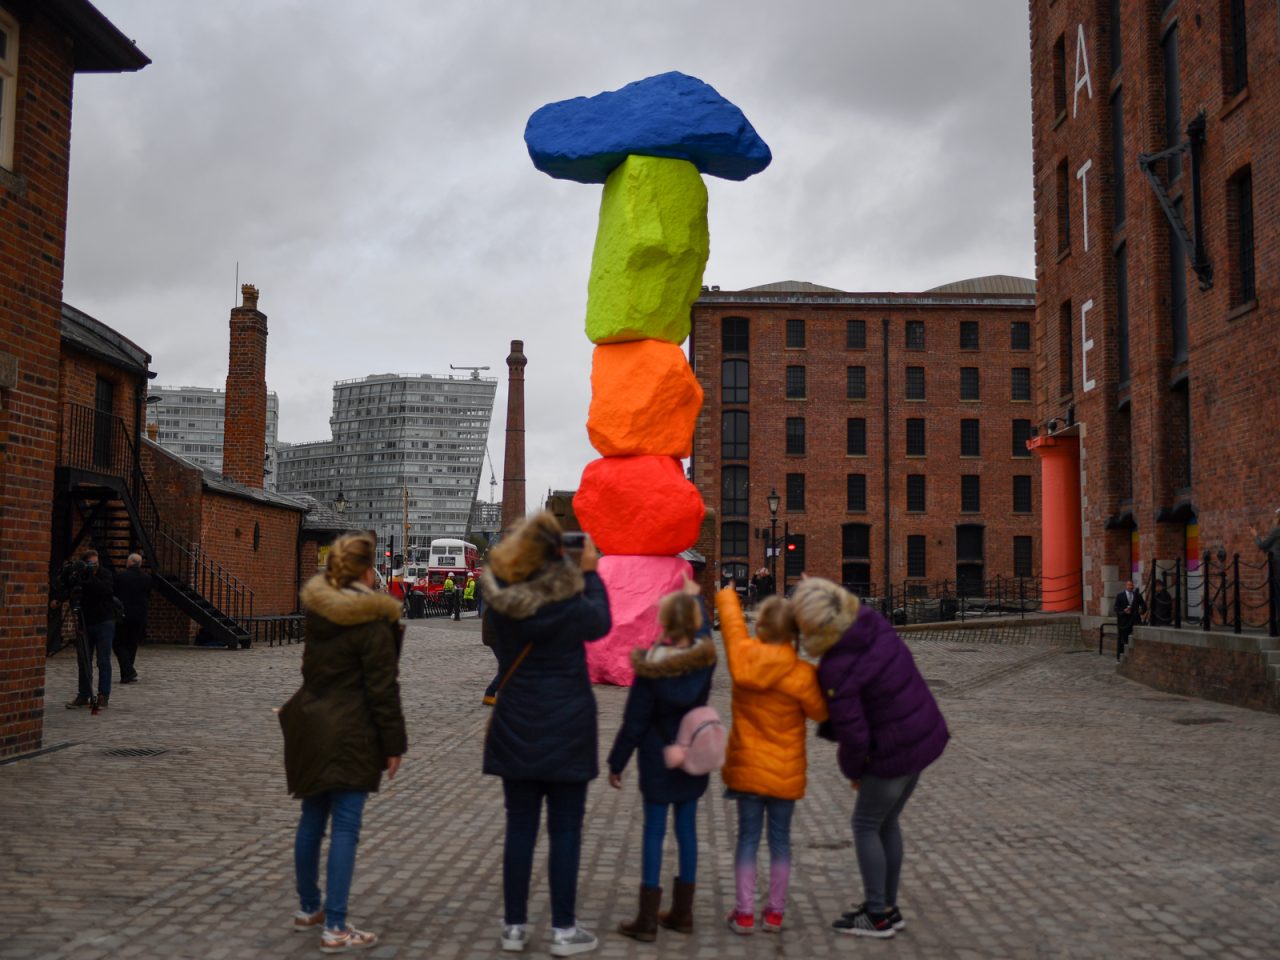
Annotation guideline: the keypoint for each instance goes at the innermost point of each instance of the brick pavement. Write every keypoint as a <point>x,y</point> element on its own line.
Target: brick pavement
<point>1072,816</point>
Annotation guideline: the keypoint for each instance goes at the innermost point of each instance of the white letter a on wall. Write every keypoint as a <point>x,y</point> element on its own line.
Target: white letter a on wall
<point>1082,78</point>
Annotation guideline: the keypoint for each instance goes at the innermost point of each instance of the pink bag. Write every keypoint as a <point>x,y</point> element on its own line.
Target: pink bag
<point>699,744</point>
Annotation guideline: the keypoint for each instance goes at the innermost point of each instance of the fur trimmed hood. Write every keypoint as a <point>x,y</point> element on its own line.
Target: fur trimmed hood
<point>665,661</point>
<point>349,606</point>
<point>558,581</point>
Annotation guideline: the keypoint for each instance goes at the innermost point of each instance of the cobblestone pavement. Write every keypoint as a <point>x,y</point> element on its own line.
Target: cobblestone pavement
<point>1075,814</point>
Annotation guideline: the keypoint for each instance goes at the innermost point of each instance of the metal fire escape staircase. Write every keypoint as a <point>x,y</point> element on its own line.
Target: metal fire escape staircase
<point>103,497</point>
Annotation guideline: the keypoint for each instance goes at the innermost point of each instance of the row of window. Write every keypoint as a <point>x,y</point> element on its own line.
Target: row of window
<point>736,435</point>
<point>734,492</point>
<point>855,548</point>
<point>736,376</point>
<point>735,335</point>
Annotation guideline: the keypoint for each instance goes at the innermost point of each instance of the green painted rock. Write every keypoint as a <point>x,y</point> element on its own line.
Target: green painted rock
<point>650,252</point>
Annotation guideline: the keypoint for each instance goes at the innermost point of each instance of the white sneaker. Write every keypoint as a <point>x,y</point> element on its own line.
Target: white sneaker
<point>565,943</point>
<point>515,937</point>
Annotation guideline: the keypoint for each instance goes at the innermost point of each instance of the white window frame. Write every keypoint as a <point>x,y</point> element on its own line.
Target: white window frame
<point>9,94</point>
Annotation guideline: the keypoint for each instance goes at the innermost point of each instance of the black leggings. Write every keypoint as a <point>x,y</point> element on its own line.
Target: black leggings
<point>565,805</point>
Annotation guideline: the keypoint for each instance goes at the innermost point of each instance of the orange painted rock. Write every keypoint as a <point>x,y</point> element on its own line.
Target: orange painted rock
<point>635,585</point>
<point>644,400</point>
<point>638,506</point>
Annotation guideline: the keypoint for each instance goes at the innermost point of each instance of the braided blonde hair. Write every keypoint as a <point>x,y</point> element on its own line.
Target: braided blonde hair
<point>349,557</point>
<point>823,612</point>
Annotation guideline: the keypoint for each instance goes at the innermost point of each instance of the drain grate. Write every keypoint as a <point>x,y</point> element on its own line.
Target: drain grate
<point>1199,721</point>
<point>134,752</point>
<point>961,650</point>
<point>1163,699</point>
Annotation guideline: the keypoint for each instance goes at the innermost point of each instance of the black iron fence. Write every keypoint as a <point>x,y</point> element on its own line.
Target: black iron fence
<point>932,601</point>
<point>98,442</point>
<point>1219,591</point>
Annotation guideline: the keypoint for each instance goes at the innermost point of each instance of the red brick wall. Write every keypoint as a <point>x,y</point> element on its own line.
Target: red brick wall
<point>826,410</point>
<point>178,492</point>
<point>33,205</point>
<point>243,448</point>
<point>271,570</point>
<point>1233,358</point>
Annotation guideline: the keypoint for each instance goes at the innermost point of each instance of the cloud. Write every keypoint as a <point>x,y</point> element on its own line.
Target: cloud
<point>366,168</point>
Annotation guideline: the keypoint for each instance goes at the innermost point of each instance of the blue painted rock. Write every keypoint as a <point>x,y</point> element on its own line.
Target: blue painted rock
<point>634,585</point>
<point>671,115</point>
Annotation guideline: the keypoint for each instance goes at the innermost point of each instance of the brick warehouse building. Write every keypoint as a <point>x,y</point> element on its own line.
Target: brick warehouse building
<point>1159,347</point>
<point>44,46</point>
<point>891,425</point>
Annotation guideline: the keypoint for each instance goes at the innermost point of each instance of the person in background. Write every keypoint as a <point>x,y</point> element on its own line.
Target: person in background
<point>469,593</point>
<point>1161,606</point>
<point>1129,609</point>
<point>450,593</point>
<point>888,727</point>
<point>134,590</point>
<point>98,606</point>
<point>1270,545</point>
<point>342,729</point>
<point>543,609</point>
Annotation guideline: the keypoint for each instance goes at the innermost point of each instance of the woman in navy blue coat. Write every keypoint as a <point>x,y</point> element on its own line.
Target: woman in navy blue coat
<point>672,677</point>
<point>541,610</point>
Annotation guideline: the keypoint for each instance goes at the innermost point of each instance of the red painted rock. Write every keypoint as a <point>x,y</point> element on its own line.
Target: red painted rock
<point>635,585</point>
<point>644,400</point>
<point>639,506</point>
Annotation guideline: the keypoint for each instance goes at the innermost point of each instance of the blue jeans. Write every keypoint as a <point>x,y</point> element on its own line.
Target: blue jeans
<point>98,639</point>
<point>751,820</point>
<point>566,803</point>
<point>344,808</point>
<point>878,838</point>
<point>655,831</point>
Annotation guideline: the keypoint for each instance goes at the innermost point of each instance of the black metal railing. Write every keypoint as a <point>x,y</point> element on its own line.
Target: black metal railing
<point>931,601</point>
<point>99,442</point>
<point>1220,590</point>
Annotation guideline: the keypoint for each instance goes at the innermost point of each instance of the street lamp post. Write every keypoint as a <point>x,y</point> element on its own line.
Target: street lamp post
<point>773,501</point>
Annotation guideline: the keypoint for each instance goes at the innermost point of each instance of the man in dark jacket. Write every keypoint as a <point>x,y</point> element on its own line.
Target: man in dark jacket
<point>1270,545</point>
<point>134,590</point>
<point>97,605</point>
<point>1161,606</point>
<point>1129,608</point>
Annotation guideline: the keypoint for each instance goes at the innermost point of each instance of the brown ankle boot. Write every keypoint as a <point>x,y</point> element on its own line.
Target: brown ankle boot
<point>680,917</point>
<point>645,926</point>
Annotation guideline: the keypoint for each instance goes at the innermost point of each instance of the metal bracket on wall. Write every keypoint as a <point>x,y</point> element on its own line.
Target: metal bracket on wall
<point>1194,145</point>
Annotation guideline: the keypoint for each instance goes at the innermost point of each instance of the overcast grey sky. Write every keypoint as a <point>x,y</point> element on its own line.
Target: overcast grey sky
<point>365,164</point>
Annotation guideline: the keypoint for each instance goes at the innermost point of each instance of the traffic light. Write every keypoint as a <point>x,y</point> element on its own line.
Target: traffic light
<point>391,547</point>
<point>791,547</point>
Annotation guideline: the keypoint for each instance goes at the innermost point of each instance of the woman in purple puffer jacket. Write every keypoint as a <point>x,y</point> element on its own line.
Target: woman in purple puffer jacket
<point>888,728</point>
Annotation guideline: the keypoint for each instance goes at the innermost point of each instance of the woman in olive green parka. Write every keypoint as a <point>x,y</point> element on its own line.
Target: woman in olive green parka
<point>342,729</point>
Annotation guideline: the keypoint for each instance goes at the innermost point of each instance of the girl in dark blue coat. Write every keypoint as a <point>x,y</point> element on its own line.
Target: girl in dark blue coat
<point>672,677</point>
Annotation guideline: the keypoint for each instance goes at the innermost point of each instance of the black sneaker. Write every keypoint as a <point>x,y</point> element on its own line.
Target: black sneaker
<point>78,702</point>
<point>861,923</point>
<point>895,916</point>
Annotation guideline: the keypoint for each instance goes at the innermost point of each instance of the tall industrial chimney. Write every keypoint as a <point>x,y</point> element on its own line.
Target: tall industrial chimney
<point>513,495</point>
<point>244,443</point>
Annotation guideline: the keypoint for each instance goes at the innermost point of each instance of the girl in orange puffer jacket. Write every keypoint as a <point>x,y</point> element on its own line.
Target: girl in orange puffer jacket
<point>764,769</point>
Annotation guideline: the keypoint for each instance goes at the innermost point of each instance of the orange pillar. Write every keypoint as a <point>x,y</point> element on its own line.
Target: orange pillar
<point>1060,522</point>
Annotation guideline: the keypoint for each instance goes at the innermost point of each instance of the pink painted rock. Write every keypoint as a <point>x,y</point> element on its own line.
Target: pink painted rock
<point>639,506</point>
<point>635,585</point>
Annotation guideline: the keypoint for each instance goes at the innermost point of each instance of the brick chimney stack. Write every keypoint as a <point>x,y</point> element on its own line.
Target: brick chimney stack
<point>245,420</point>
<point>513,503</point>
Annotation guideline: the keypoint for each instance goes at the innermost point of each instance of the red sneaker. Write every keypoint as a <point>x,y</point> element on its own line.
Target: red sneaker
<point>742,923</point>
<point>772,921</point>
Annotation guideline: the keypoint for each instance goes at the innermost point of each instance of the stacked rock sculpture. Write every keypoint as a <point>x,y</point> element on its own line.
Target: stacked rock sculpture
<point>649,144</point>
